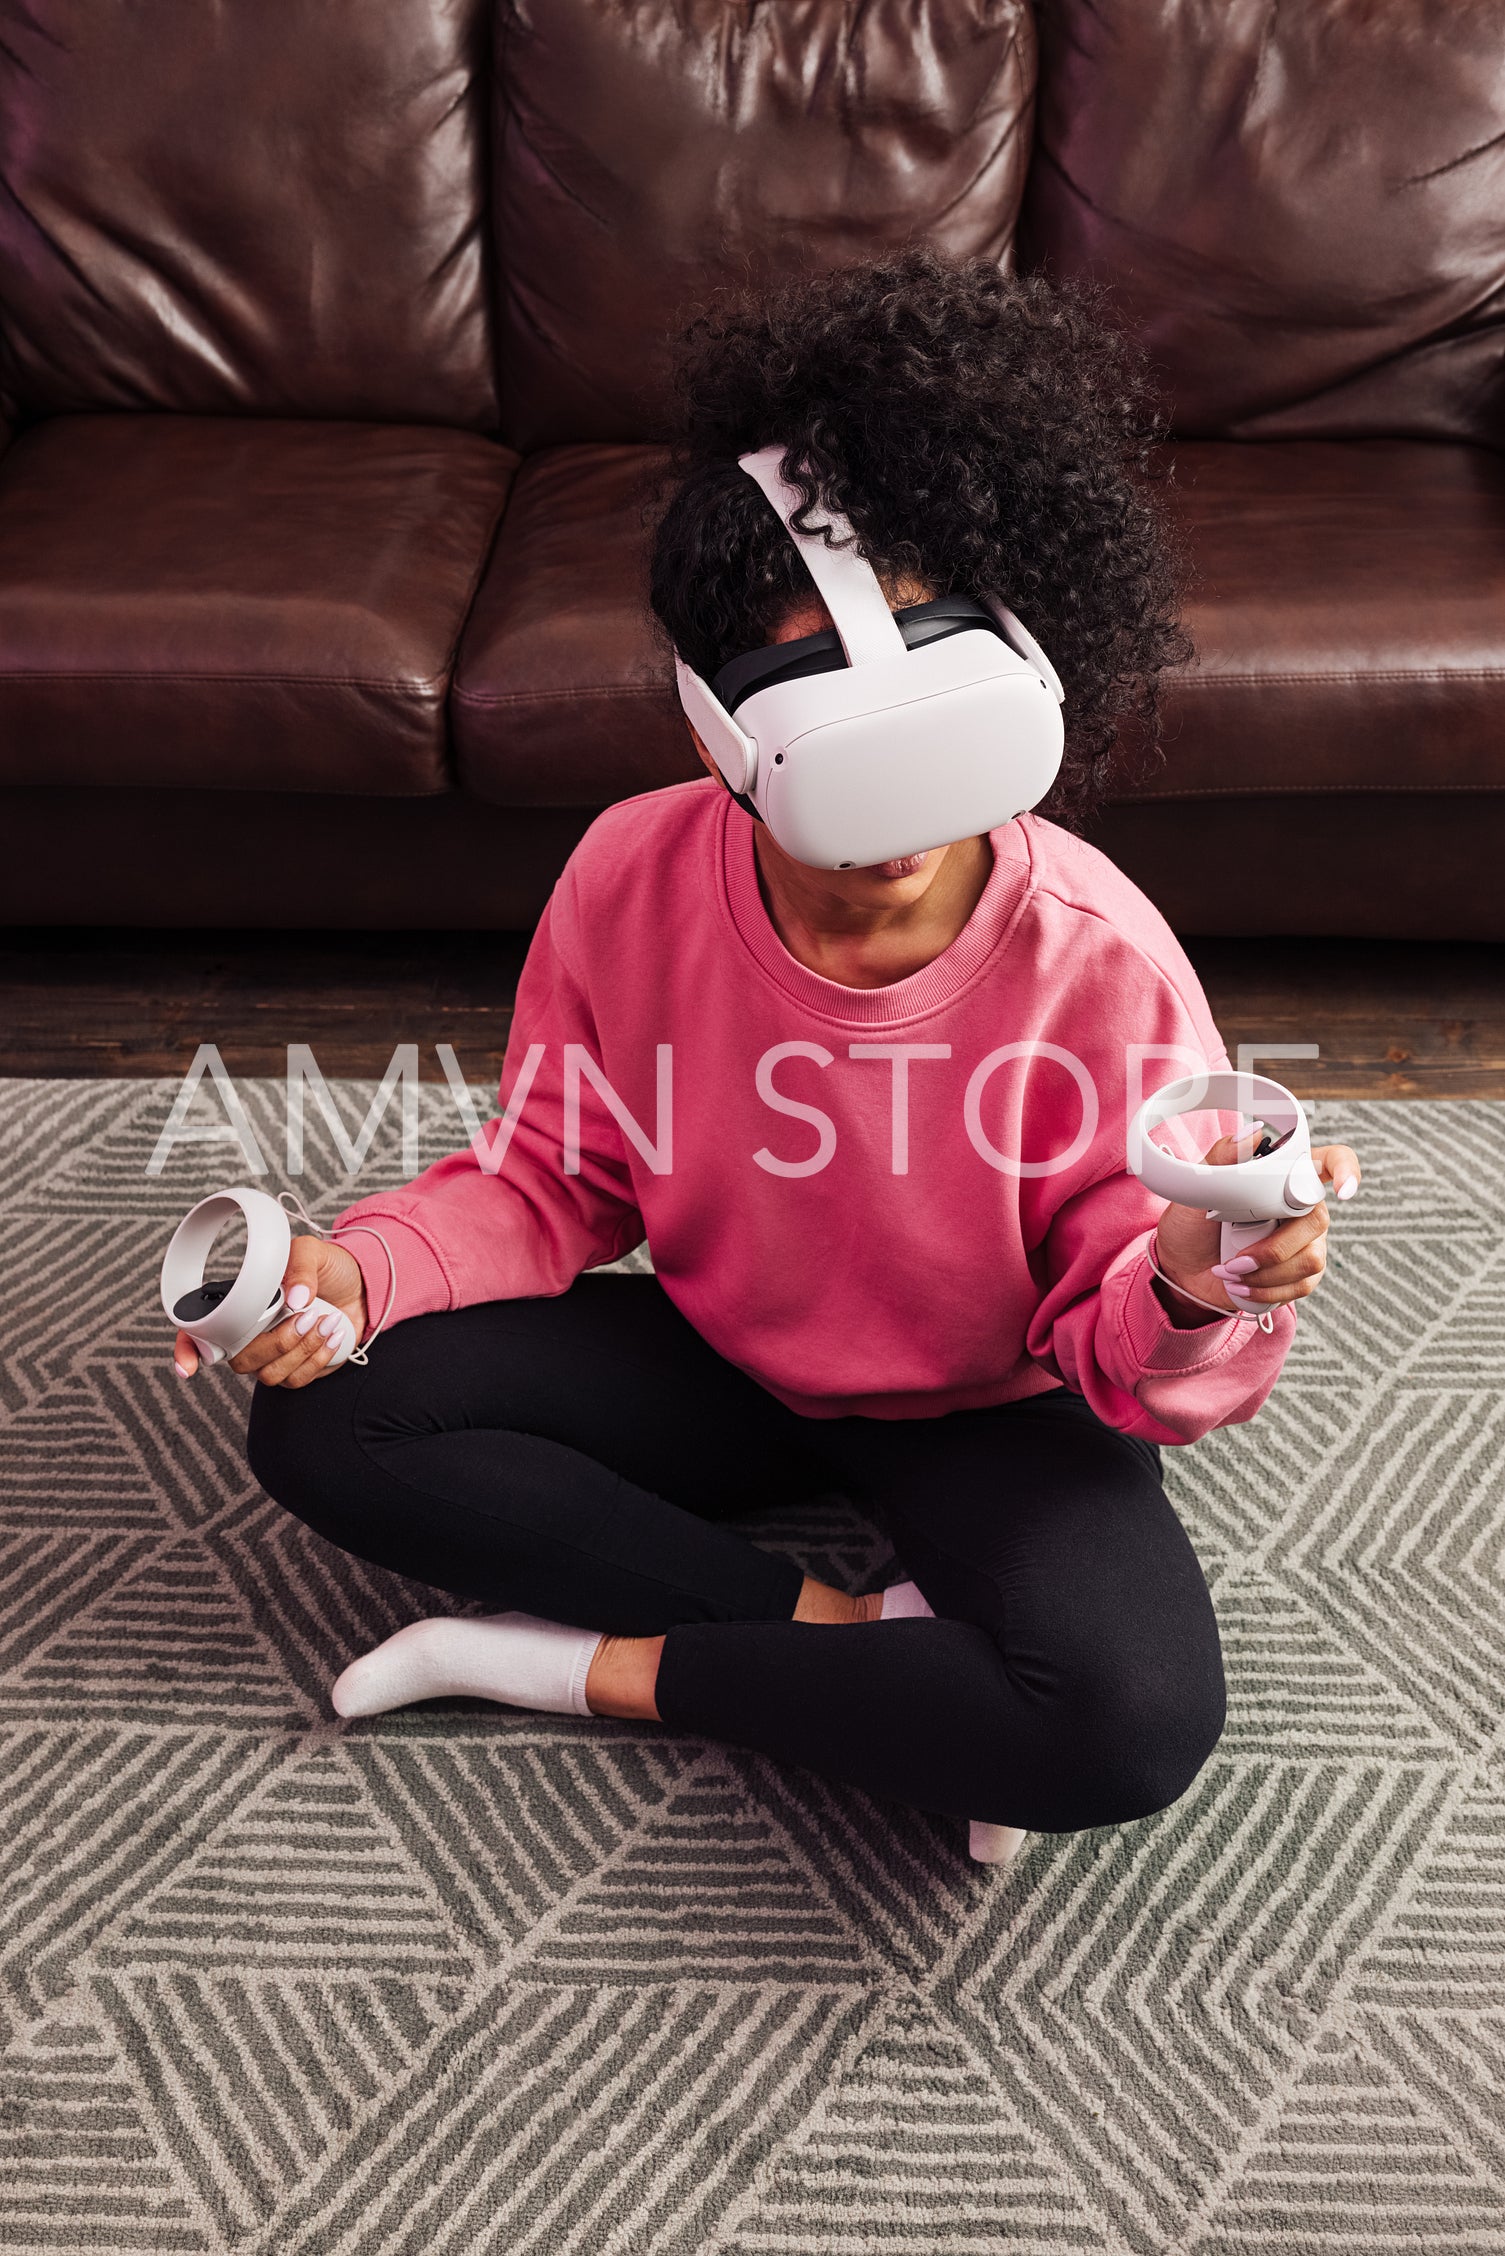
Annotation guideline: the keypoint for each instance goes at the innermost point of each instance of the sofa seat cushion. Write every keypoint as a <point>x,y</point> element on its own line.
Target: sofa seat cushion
<point>1349,617</point>
<point>1348,609</point>
<point>237,604</point>
<point>564,694</point>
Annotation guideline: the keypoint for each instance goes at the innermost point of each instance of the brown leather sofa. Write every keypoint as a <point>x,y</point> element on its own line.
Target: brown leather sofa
<point>332,362</point>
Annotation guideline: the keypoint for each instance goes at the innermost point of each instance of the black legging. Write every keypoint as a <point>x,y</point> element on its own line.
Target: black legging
<point>577,1458</point>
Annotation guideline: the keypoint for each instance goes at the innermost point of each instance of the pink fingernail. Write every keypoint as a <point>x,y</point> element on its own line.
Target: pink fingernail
<point>1346,1188</point>
<point>299,1297</point>
<point>1242,1265</point>
<point>1239,1292</point>
<point>330,1327</point>
<point>306,1323</point>
<point>184,1370</point>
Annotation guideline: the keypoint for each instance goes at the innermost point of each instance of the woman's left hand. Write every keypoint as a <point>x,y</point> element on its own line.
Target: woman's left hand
<point>1284,1266</point>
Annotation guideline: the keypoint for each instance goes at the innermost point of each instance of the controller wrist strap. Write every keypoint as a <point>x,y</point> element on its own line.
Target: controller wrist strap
<point>1264,1317</point>
<point>290,1199</point>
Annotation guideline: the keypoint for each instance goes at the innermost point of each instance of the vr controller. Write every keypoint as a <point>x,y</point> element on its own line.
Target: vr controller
<point>1253,1195</point>
<point>221,1315</point>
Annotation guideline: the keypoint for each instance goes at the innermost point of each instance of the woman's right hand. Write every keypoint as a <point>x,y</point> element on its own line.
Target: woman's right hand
<point>295,1351</point>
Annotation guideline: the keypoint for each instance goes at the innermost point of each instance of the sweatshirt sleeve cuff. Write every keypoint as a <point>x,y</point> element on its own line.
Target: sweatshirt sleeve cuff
<point>414,1278</point>
<point>1156,1344</point>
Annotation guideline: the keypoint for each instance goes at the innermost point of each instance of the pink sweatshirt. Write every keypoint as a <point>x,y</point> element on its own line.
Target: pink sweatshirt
<point>850,1225</point>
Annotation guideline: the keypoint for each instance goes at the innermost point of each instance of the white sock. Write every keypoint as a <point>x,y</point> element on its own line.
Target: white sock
<point>902,1601</point>
<point>514,1658</point>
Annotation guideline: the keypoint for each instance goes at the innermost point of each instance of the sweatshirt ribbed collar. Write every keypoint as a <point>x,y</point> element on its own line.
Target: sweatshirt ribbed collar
<point>924,991</point>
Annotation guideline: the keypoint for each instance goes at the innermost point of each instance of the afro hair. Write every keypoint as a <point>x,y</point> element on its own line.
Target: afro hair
<point>983,433</point>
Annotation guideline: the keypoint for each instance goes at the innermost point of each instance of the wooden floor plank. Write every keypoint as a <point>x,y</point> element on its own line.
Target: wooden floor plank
<point>85,1004</point>
<point>1390,1020</point>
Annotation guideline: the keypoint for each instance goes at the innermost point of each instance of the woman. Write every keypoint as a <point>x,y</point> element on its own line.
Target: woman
<point>887,1262</point>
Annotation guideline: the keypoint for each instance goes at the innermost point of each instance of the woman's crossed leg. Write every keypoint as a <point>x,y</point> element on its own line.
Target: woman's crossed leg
<point>581,1459</point>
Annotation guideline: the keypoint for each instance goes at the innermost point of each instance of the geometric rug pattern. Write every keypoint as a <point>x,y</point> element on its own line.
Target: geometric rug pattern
<point>462,1980</point>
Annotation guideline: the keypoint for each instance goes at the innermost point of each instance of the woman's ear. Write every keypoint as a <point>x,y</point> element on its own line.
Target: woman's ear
<point>706,759</point>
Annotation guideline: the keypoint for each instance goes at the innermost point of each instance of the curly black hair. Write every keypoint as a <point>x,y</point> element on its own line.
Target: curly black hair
<point>983,433</point>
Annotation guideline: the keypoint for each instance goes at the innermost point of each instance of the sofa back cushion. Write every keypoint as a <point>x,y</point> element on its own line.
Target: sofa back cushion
<point>271,206</point>
<point>647,151</point>
<point>1298,204</point>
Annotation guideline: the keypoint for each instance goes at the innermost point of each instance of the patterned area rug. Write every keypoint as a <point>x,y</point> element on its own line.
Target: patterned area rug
<point>464,1981</point>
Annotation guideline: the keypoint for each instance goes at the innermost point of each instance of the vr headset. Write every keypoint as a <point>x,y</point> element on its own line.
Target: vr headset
<point>897,731</point>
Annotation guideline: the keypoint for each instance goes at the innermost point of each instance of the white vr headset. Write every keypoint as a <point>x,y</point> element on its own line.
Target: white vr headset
<point>898,731</point>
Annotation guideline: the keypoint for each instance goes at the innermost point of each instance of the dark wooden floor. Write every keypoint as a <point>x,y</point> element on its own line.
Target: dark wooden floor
<point>1390,1020</point>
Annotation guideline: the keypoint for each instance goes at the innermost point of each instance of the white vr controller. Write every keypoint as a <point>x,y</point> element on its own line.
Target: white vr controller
<point>1253,1195</point>
<point>221,1315</point>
